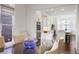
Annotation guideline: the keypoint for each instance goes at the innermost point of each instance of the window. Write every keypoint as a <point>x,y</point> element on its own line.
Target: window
<point>66,22</point>
<point>6,22</point>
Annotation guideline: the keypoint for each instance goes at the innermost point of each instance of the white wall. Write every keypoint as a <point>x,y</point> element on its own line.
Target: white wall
<point>77,26</point>
<point>20,18</point>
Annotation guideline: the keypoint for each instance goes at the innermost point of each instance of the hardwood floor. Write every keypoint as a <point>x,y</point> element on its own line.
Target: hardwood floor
<point>66,48</point>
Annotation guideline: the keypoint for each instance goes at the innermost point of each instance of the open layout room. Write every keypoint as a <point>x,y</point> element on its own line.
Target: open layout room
<point>39,28</point>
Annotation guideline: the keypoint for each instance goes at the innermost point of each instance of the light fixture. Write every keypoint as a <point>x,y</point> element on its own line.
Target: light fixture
<point>45,29</point>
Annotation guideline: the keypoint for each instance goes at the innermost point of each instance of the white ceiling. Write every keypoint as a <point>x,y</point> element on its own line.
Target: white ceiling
<point>62,10</point>
<point>43,6</point>
<point>46,7</point>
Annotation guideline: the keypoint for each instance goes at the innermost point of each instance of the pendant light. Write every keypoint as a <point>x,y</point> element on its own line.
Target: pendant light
<point>45,28</point>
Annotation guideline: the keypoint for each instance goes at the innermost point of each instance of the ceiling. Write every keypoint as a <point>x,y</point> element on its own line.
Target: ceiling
<point>43,6</point>
<point>47,8</point>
